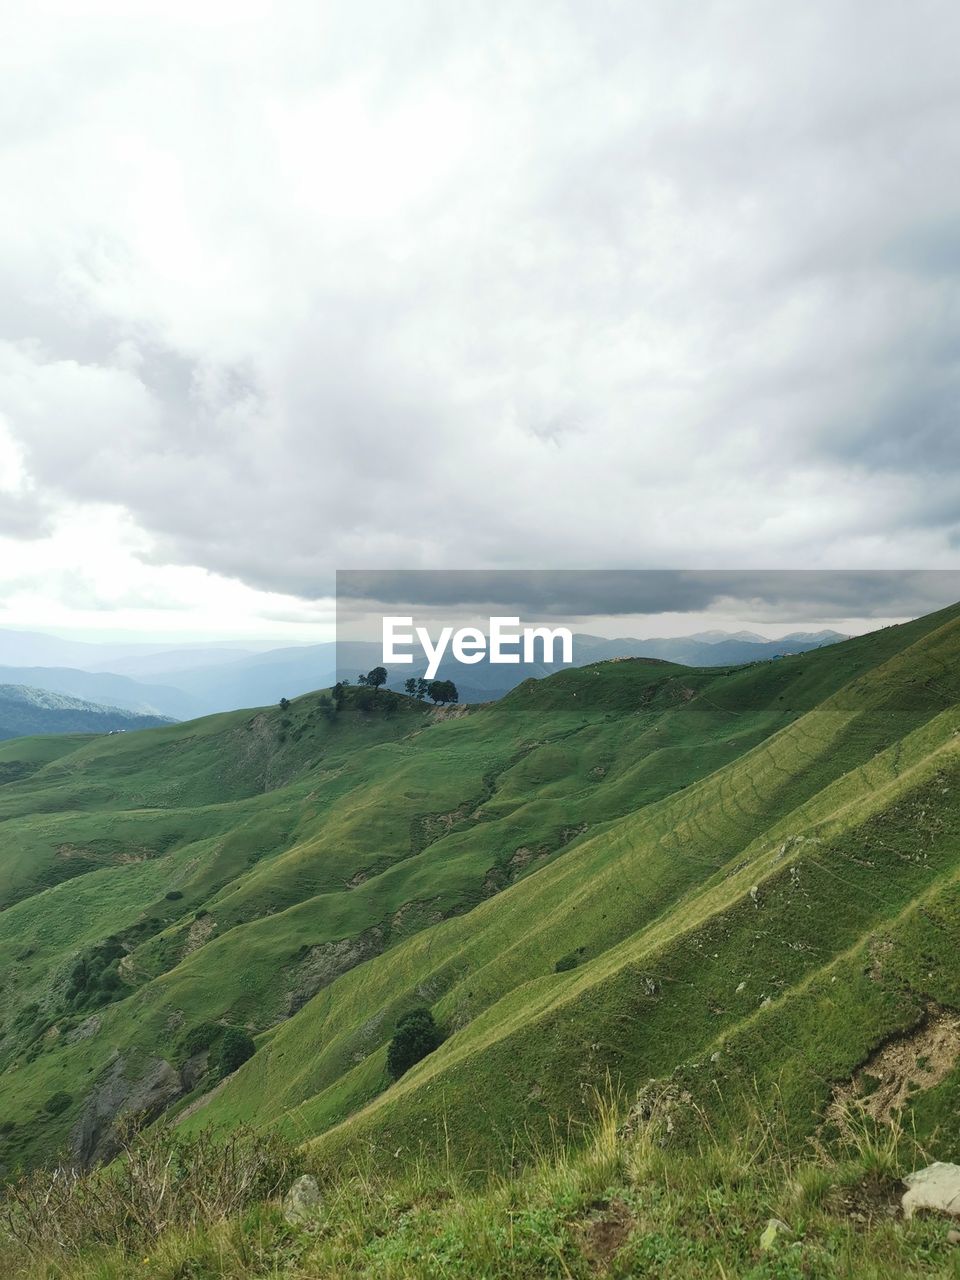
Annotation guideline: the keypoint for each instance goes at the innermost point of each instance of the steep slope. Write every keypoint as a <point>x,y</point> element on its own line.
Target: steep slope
<point>25,710</point>
<point>310,872</point>
<point>699,926</point>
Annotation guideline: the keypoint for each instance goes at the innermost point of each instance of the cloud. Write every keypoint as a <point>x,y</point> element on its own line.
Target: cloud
<point>761,594</point>
<point>297,287</point>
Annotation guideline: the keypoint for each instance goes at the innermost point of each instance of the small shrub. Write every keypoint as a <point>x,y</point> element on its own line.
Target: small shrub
<point>235,1048</point>
<point>364,699</point>
<point>569,961</point>
<point>196,1039</point>
<point>173,896</point>
<point>62,1212</point>
<point>416,1035</point>
<point>57,1103</point>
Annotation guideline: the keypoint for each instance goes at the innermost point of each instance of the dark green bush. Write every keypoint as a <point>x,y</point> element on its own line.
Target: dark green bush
<point>57,1103</point>
<point>204,1035</point>
<point>235,1048</point>
<point>416,1035</point>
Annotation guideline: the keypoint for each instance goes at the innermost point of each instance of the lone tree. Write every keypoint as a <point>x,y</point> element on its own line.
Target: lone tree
<point>416,1035</point>
<point>376,677</point>
<point>235,1048</point>
<point>422,686</point>
<point>410,687</point>
<point>284,703</point>
<point>443,691</point>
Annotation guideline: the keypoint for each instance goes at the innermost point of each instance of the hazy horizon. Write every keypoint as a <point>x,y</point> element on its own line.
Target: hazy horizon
<point>667,626</point>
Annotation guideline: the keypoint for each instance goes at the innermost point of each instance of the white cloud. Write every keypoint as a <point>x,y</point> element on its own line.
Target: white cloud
<point>88,575</point>
<point>287,287</point>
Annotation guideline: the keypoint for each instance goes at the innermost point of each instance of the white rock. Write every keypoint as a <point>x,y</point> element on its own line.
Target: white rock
<point>937,1187</point>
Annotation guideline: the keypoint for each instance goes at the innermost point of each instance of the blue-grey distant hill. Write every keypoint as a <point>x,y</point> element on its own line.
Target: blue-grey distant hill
<point>25,711</point>
<point>107,688</point>
<point>486,681</point>
<point>191,680</point>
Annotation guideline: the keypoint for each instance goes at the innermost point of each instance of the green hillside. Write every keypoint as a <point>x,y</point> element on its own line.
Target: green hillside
<point>25,710</point>
<point>731,882</point>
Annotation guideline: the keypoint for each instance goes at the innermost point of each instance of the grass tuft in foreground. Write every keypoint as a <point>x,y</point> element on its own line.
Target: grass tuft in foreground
<point>622,1204</point>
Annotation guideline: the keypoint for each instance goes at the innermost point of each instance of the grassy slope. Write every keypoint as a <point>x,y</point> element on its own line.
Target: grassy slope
<point>622,1205</point>
<point>838,825</point>
<point>612,806</point>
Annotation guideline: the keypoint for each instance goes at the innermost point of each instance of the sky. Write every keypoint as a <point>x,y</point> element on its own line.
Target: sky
<point>290,288</point>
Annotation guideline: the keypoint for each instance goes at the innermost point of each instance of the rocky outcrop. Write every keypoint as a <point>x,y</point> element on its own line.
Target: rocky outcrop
<point>149,1092</point>
<point>320,964</point>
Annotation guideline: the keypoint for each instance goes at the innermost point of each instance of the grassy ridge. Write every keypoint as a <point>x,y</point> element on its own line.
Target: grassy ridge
<point>309,874</point>
<point>661,909</point>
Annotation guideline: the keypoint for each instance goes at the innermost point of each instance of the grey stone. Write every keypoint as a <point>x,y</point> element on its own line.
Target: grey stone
<point>301,1204</point>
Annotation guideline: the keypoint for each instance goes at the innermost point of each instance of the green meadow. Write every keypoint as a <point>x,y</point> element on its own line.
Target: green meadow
<point>721,891</point>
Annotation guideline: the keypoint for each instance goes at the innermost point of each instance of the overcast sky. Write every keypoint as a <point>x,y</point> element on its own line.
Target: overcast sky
<point>288,288</point>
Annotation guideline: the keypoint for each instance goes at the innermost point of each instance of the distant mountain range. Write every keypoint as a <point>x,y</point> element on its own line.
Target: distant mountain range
<point>195,680</point>
<point>486,681</point>
<point>106,688</point>
<point>25,711</point>
<point>37,648</point>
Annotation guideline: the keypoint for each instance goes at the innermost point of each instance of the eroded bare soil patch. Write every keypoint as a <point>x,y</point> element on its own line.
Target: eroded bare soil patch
<point>915,1061</point>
